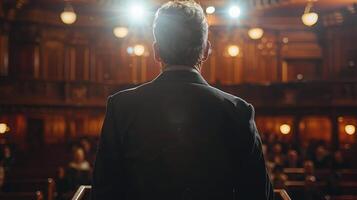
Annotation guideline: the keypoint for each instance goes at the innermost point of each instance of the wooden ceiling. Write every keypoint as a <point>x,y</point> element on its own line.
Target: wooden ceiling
<point>253,9</point>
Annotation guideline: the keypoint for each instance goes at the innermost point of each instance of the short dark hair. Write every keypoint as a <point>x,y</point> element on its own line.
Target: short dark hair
<point>181,30</point>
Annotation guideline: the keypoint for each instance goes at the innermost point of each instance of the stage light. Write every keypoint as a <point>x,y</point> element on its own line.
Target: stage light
<point>310,19</point>
<point>120,32</point>
<point>4,128</point>
<point>234,11</point>
<point>210,9</point>
<point>139,50</point>
<point>350,129</point>
<point>285,129</point>
<point>256,33</point>
<point>233,50</point>
<point>68,16</point>
<point>137,11</point>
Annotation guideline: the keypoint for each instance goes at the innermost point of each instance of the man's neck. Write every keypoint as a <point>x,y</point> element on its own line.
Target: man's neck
<point>180,68</point>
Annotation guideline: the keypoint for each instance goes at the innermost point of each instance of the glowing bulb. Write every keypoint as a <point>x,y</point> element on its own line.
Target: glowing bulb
<point>210,10</point>
<point>285,129</point>
<point>350,129</point>
<point>120,32</point>
<point>233,50</point>
<point>137,11</point>
<point>68,16</point>
<point>256,33</point>
<point>3,128</point>
<point>310,19</point>
<point>139,50</point>
<point>234,11</point>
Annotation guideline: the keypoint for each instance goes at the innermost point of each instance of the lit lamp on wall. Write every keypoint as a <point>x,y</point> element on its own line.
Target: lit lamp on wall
<point>210,10</point>
<point>139,50</point>
<point>309,18</point>
<point>233,50</point>
<point>285,129</point>
<point>350,129</point>
<point>68,16</point>
<point>4,128</point>
<point>120,32</point>
<point>256,33</point>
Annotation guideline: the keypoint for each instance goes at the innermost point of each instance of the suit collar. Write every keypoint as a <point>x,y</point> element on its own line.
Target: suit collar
<point>184,76</point>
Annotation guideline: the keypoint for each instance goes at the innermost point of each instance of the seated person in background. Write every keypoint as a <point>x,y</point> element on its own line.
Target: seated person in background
<point>79,170</point>
<point>62,185</point>
<point>309,168</point>
<point>2,176</point>
<point>293,160</point>
<point>87,147</point>
<point>277,156</point>
<point>7,158</point>
<point>279,178</point>
<point>338,161</point>
<point>322,158</point>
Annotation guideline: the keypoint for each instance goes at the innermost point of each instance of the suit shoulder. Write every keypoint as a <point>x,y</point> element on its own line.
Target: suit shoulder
<point>127,92</point>
<point>237,101</point>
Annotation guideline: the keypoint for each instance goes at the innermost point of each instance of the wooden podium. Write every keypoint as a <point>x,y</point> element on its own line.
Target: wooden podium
<point>83,193</point>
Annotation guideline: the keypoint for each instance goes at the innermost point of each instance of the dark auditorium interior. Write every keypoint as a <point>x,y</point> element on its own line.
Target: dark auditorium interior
<point>294,60</point>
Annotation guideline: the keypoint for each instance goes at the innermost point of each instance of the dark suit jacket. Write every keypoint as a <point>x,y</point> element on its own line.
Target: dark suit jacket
<point>179,138</point>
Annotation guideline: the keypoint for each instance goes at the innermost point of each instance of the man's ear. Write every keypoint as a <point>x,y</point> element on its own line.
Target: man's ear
<point>207,51</point>
<point>156,52</point>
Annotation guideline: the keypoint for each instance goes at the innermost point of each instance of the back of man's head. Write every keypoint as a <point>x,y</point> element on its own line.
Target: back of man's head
<point>180,31</point>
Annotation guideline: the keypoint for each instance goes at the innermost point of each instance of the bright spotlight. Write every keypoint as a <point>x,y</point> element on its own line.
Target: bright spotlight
<point>120,32</point>
<point>136,11</point>
<point>139,50</point>
<point>234,11</point>
<point>233,50</point>
<point>210,9</point>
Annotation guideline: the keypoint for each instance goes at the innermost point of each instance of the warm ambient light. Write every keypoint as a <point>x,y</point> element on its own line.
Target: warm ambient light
<point>210,9</point>
<point>285,129</point>
<point>139,50</point>
<point>233,50</point>
<point>4,128</point>
<point>234,11</point>
<point>68,16</point>
<point>350,129</point>
<point>120,32</point>
<point>256,33</point>
<point>310,19</point>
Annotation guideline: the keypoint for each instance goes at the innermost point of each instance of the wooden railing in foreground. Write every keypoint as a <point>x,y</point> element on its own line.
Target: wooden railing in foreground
<point>83,193</point>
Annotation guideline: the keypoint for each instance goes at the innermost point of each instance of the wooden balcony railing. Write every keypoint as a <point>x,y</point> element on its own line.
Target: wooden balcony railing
<point>71,93</point>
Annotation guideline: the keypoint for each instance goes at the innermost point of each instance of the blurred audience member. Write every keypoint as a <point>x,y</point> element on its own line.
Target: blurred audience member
<point>321,158</point>
<point>338,162</point>
<point>293,160</point>
<point>7,158</point>
<point>279,178</point>
<point>277,155</point>
<point>2,176</point>
<point>79,170</point>
<point>62,184</point>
